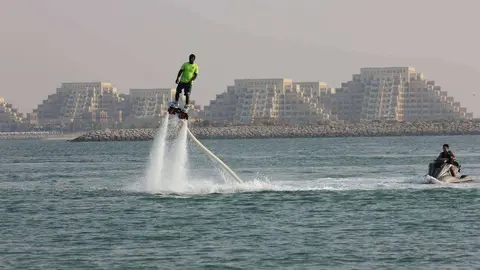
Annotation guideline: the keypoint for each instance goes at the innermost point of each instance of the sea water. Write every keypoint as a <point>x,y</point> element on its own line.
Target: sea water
<point>316,203</point>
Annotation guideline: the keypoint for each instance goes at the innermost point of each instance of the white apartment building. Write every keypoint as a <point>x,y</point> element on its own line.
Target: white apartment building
<point>149,102</point>
<point>101,102</point>
<point>267,100</point>
<point>8,115</point>
<point>89,101</point>
<point>393,93</point>
<point>319,92</point>
<point>347,101</point>
<point>426,101</point>
<point>383,92</point>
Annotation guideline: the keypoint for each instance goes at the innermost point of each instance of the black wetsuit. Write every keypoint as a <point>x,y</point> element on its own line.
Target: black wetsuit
<point>450,156</point>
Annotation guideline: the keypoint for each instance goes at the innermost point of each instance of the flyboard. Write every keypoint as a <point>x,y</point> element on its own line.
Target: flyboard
<point>184,116</point>
<point>179,112</point>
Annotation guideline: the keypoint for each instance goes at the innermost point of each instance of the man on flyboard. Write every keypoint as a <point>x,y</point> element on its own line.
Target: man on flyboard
<point>188,73</point>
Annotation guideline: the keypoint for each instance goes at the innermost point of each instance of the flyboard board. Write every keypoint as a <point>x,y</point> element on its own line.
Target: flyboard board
<point>179,112</point>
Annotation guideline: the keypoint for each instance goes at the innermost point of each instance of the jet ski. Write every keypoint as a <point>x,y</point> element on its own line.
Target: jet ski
<point>442,171</point>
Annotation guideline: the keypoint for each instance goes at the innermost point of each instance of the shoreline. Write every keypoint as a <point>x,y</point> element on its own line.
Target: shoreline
<point>331,130</point>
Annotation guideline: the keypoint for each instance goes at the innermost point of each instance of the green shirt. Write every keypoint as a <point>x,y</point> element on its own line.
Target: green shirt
<point>187,71</point>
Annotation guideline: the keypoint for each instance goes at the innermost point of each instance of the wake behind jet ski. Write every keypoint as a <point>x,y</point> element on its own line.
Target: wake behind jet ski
<point>446,169</point>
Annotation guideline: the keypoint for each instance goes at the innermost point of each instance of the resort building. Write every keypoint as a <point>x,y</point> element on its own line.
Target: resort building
<point>10,117</point>
<point>393,93</point>
<point>375,94</point>
<point>279,100</point>
<point>82,101</point>
<point>426,101</point>
<point>100,102</point>
<point>149,102</point>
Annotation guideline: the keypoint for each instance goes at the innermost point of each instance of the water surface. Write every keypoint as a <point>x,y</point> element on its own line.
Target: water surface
<point>310,203</point>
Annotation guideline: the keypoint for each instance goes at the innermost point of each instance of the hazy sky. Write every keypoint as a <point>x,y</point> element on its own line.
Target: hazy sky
<point>142,43</point>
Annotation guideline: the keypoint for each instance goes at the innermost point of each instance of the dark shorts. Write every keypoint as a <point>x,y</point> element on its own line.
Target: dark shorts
<point>184,86</point>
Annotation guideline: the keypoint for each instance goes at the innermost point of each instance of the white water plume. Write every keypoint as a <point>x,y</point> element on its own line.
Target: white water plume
<point>166,171</point>
<point>168,163</point>
<point>153,178</point>
<point>176,163</point>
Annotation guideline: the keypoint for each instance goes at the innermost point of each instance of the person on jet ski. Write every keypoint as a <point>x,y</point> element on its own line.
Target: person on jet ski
<point>449,155</point>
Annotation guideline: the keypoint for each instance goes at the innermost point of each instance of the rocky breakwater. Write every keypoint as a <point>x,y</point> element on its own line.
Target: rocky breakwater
<point>328,130</point>
<point>117,135</point>
<point>338,130</point>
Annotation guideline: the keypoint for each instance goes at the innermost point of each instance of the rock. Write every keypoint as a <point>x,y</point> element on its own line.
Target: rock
<point>287,131</point>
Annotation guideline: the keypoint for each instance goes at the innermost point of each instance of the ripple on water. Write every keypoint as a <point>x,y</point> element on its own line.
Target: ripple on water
<point>348,210</point>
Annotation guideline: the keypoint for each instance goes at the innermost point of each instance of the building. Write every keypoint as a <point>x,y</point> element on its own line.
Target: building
<point>319,92</point>
<point>10,117</point>
<point>426,101</point>
<point>279,100</point>
<point>82,101</point>
<point>393,94</point>
<point>100,102</point>
<point>149,102</point>
<point>32,118</point>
